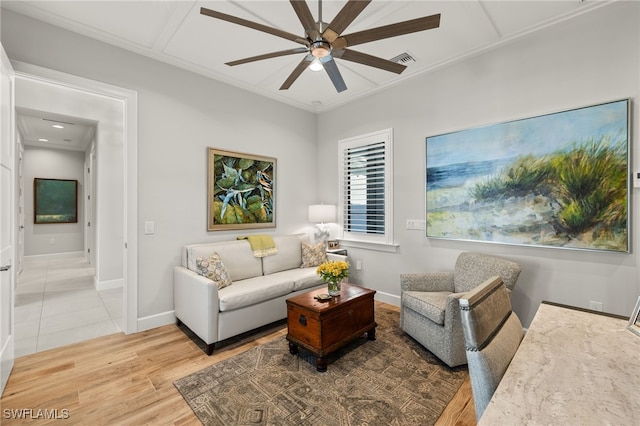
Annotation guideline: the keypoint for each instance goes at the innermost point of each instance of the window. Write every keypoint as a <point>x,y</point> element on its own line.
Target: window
<point>365,167</point>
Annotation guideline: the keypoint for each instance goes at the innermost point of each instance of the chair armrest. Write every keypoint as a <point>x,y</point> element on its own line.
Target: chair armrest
<point>196,303</point>
<point>452,315</point>
<point>430,281</point>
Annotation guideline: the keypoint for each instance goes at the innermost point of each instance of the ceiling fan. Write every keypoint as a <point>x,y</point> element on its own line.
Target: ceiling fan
<point>323,43</point>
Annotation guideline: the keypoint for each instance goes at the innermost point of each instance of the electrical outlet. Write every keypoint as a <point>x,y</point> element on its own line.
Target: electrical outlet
<point>358,265</point>
<point>595,306</point>
<point>52,241</point>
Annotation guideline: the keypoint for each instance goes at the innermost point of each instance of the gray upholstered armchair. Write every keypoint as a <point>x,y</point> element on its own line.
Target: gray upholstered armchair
<point>430,312</point>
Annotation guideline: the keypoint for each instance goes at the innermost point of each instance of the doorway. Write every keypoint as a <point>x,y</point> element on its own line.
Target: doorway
<point>114,110</point>
<point>57,300</point>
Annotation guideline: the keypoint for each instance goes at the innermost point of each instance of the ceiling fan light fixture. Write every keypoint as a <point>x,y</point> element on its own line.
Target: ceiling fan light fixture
<point>316,65</point>
<point>320,49</point>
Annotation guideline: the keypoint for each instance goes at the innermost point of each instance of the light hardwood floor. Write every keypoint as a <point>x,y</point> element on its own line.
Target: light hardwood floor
<point>128,380</point>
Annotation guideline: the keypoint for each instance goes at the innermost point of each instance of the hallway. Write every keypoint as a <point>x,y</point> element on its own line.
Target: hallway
<point>57,304</point>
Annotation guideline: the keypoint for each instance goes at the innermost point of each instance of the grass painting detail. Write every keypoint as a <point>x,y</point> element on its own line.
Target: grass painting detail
<point>241,191</point>
<point>556,180</point>
<point>55,201</point>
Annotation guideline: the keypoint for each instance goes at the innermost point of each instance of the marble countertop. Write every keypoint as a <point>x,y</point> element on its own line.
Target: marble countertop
<point>572,368</point>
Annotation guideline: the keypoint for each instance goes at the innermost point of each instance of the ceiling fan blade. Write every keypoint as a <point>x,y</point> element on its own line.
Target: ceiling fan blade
<point>393,30</point>
<point>347,14</point>
<point>268,56</point>
<point>297,72</point>
<point>253,25</point>
<point>304,14</point>
<point>372,61</point>
<point>334,74</point>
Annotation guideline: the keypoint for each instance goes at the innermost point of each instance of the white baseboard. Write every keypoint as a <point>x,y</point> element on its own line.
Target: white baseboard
<point>389,298</point>
<point>54,255</point>
<point>107,285</point>
<point>157,320</point>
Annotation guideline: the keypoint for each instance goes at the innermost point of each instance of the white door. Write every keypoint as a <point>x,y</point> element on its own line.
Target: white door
<point>7,220</point>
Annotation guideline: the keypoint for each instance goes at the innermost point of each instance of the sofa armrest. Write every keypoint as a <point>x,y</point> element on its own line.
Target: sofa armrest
<point>430,281</point>
<point>196,303</point>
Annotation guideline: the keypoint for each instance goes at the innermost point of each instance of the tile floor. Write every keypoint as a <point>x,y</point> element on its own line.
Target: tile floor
<point>57,304</point>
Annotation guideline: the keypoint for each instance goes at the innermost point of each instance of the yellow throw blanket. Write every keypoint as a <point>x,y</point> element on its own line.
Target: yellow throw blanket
<point>262,245</point>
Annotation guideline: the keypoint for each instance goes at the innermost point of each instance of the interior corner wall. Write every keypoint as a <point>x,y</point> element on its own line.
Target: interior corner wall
<point>180,114</point>
<point>564,66</point>
<point>52,238</point>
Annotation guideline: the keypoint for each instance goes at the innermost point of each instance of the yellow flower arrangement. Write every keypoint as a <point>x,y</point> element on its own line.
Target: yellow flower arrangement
<point>333,271</point>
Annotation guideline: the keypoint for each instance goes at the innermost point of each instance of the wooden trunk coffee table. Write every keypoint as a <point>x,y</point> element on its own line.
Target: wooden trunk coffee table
<point>322,327</point>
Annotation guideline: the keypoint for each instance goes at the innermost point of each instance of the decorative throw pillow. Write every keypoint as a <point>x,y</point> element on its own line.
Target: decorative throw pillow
<point>214,269</point>
<point>313,255</point>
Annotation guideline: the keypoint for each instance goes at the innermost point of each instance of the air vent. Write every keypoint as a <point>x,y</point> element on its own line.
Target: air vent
<point>403,58</point>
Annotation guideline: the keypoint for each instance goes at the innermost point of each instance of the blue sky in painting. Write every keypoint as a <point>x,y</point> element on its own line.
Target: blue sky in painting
<point>537,135</point>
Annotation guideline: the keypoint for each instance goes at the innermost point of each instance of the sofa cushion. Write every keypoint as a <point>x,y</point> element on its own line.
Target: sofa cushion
<point>313,255</point>
<point>237,256</point>
<point>302,277</point>
<point>428,304</point>
<point>214,269</point>
<point>253,290</point>
<point>289,254</point>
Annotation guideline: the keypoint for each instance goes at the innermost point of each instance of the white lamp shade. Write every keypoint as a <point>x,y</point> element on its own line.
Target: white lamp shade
<point>322,213</point>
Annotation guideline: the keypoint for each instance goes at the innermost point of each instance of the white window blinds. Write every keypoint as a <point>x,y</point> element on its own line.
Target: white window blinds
<point>365,191</point>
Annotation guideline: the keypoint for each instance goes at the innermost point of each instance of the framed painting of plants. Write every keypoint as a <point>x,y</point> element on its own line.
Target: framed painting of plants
<point>555,180</point>
<point>241,191</point>
<point>55,201</point>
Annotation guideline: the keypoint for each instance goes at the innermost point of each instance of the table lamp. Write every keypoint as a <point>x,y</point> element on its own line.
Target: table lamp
<point>322,215</point>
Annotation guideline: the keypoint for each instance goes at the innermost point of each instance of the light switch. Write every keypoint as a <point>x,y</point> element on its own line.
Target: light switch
<point>149,228</point>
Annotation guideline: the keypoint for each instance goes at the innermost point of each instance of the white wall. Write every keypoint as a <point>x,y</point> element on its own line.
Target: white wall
<point>180,114</point>
<point>52,164</point>
<point>568,65</point>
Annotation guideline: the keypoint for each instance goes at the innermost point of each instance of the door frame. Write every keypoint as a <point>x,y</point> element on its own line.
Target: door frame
<point>130,169</point>
<point>8,222</point>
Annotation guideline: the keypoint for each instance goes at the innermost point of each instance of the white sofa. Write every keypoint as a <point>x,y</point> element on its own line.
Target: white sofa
<point>257,295</point>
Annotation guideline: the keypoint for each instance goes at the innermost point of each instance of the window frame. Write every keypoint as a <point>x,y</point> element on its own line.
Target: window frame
<point>358,239</point>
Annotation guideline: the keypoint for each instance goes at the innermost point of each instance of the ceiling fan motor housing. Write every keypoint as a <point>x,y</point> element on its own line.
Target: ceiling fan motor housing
<point>320,49</point>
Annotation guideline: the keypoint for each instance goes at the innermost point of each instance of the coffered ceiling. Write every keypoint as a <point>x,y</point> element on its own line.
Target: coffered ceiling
<point>176,33</point>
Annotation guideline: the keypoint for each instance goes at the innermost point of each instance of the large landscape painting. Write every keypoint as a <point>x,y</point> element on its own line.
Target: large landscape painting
<point>556,180</point>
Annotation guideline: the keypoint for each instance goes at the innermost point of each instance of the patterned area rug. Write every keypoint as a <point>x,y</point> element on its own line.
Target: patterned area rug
<point>391,381</point>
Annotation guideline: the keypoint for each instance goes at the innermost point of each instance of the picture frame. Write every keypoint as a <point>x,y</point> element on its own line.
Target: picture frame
<point>241,191</point>
<point>55,201</point>
<point>559,180</point>
<point>333,244</point>
<point>634,319</point>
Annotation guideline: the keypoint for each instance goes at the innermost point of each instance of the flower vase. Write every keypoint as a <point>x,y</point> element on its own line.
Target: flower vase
<point>334,288</point>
